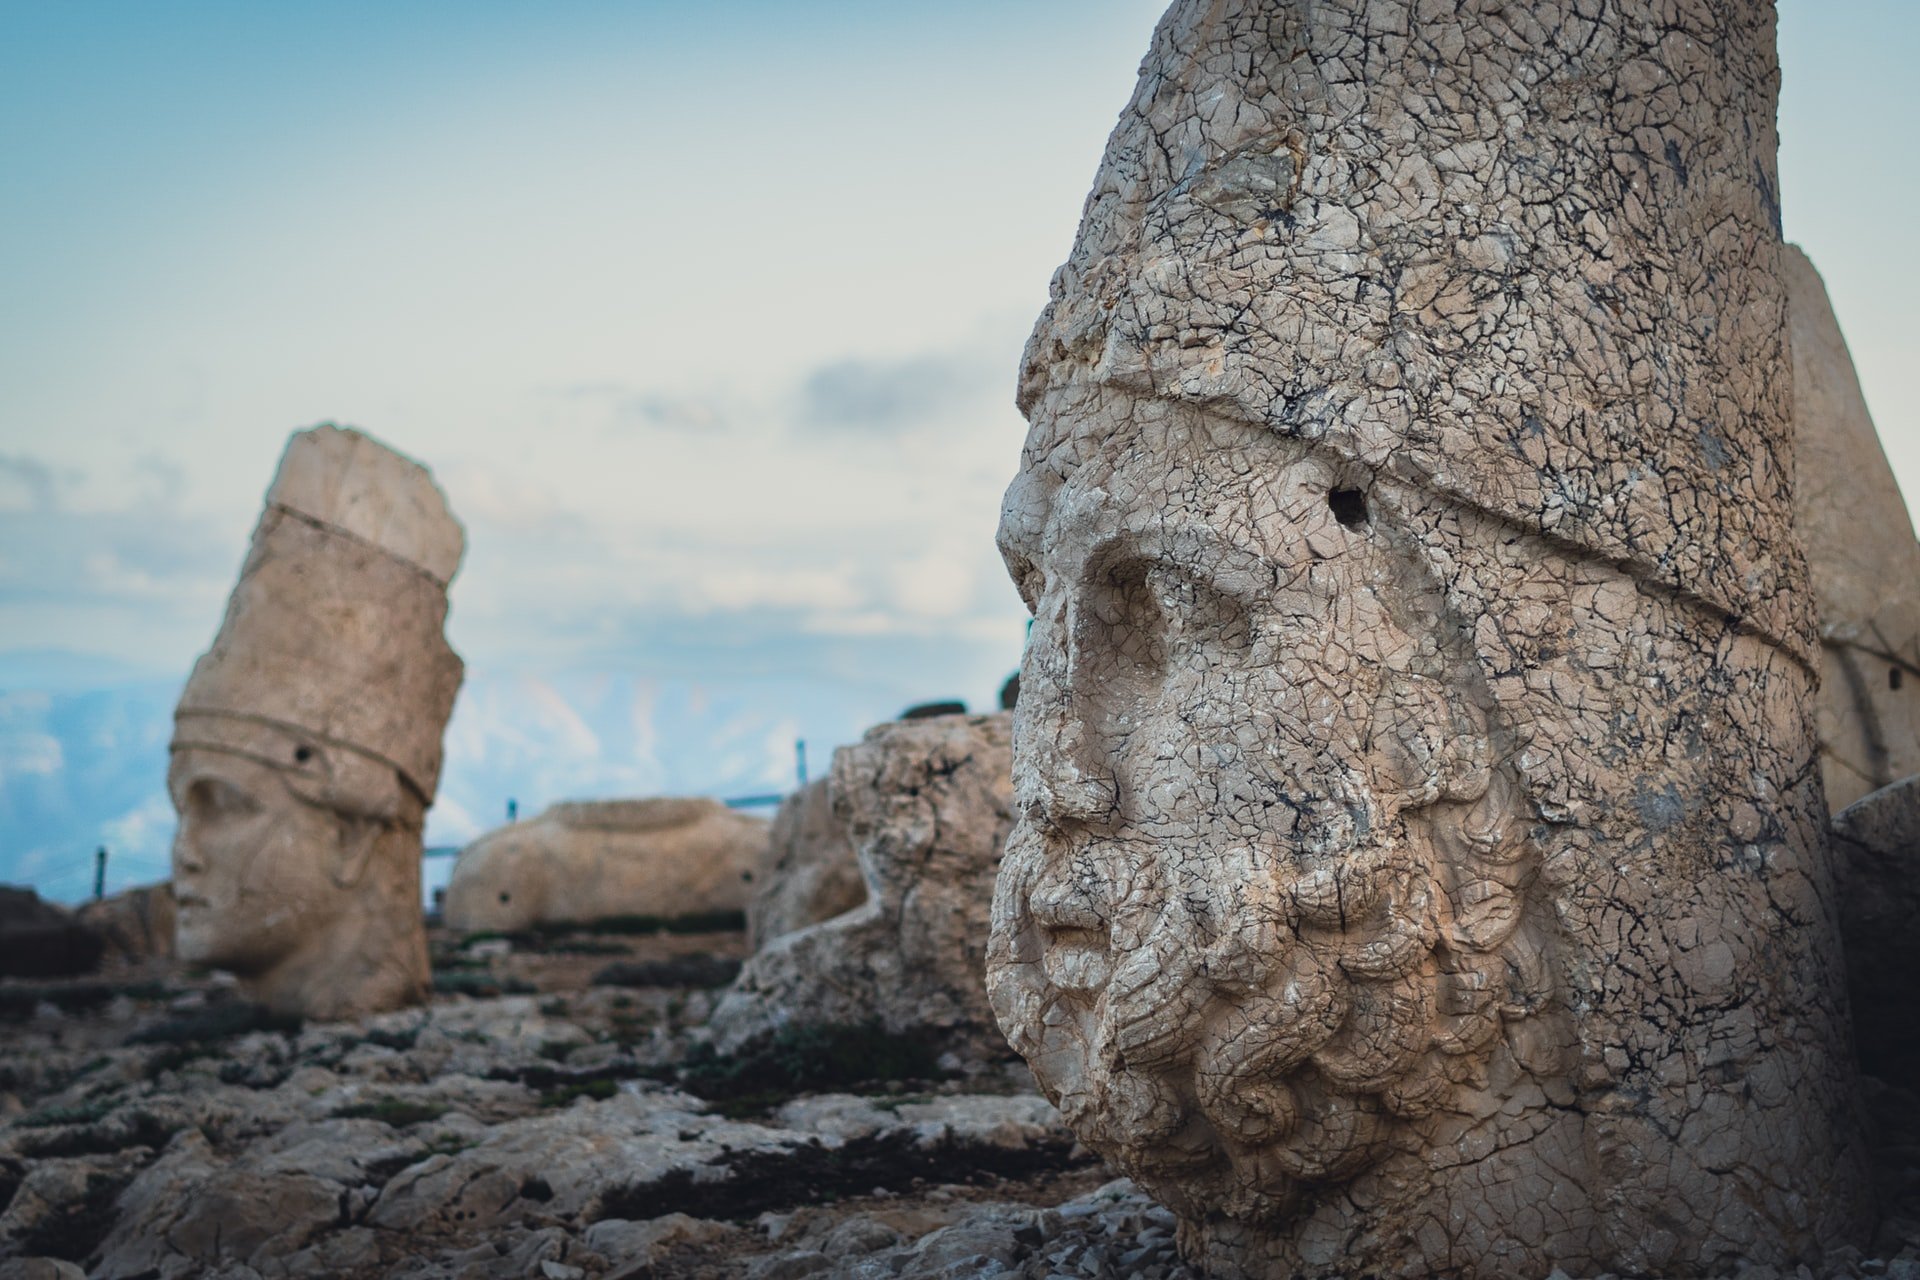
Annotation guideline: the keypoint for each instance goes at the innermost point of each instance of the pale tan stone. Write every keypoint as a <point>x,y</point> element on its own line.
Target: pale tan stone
<point>1860,547</point>
<point>306,745</point>
<point>1420,866</point>
<point>811,872</point>
<point>927,804</point>
<point>591,859</point>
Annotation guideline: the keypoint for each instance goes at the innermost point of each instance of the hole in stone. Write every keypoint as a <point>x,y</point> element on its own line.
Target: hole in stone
<point>302,754</point>
<point>504,896</point>
<point>1894,677</point>
<point>1349,506</point>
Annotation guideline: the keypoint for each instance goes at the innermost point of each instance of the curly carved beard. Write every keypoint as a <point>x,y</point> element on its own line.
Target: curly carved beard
<point>1234,1028</point>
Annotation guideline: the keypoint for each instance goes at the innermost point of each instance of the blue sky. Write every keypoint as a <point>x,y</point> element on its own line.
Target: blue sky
<point>706,316</point>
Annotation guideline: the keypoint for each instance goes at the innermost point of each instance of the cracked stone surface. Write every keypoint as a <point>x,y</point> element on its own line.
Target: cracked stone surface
<point>306,745</point>
<point>1420,864</point>
<point>927,805</point>
<point>1861,549</point>
<point>589,860</point>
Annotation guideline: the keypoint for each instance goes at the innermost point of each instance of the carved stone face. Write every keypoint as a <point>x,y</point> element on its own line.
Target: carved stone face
<point>1264,895</point>
<point>258,870</point>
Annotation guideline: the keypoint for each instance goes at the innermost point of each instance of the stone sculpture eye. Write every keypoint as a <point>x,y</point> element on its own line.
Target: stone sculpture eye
<point>1124,605</point>
<point>210,798</point>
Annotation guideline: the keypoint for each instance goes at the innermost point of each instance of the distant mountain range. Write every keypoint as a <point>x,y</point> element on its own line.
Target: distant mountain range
<point>83,753</point>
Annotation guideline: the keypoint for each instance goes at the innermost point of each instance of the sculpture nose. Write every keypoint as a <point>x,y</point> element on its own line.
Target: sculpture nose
<point>1068,779</point>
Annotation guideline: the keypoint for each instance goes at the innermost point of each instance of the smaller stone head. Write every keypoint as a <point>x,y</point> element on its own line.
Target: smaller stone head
<point>306,745</point>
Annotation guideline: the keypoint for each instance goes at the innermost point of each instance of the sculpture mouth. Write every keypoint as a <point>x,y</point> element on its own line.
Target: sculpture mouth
<point>1076,946</point>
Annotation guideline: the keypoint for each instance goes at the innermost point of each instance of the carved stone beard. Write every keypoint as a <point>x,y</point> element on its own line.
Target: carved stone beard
<point>1233,1060</point>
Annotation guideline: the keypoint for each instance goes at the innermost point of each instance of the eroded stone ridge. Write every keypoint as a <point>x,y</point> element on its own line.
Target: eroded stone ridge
<point>926,804</point>
<point>1419,865</point>
<point>811,872</point>
<point>306,744</point>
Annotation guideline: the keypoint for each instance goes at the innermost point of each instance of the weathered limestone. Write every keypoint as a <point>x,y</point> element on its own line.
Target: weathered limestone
<point>1420,866</point>
<point>1861,550</point>
<point>591,859</point>
<point>306,745</point>
<point>927,804</point>
<point>811,872</point>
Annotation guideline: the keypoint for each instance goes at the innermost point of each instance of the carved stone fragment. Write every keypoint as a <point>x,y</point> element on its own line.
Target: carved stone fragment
<point>306,746</point>
<point>1419,865</point>
<point>1861,550</point>
<point>668,856</point>
<point>927,805</point>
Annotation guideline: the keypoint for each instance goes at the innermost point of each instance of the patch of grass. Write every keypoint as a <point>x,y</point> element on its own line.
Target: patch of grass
<point>395,1112</point>
<point>175,1056</point>
<point>402,1040</point>
<point>803,1059</point>
<point>101,1137</point>
<point>681,971</point>
<point>448,1144</point>
<point>697,922</point>
<point>18,1001</point>
<point>567,1094</point>
<point>216,1023</point>
<point>585,947</point>
<point>80,1113</point>
<point>761,1181</point>
<point>480,984</point>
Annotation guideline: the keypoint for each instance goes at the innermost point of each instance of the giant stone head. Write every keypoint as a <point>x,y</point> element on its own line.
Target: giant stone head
<point>306,745</point>
<point>1418,863</point>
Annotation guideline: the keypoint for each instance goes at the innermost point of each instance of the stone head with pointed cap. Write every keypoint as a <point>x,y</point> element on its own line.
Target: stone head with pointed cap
<point>1418,866</point>
<point>306,745</point>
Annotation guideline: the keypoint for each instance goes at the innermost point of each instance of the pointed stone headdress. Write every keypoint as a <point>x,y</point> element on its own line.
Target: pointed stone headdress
<point>331,663</point>
<point>1441,278</point>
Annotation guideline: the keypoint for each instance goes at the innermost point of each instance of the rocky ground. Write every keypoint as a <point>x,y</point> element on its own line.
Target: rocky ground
<point>554,1114</point>
<point>531,1122</point>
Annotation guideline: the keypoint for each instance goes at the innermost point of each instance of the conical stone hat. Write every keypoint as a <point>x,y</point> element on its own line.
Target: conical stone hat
<point>332,647</point>
<point>1547,294</point>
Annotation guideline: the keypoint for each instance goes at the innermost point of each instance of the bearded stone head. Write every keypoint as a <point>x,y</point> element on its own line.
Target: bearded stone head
<point>1271,892</point>
<point>1419,865</point>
